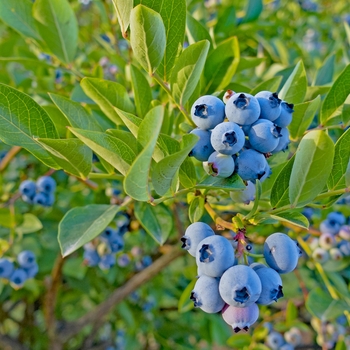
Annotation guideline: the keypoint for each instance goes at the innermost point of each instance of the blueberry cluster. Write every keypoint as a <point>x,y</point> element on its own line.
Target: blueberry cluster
<point>334,241</point>
<point>27,268</point>
<point>256,128</point>
<point>41,192</point>
<point>232,288</point>
<point>103,250</point>
<point>288,341</point>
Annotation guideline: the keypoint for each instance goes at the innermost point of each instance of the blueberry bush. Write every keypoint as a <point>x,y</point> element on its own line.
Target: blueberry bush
<point>135,131</point>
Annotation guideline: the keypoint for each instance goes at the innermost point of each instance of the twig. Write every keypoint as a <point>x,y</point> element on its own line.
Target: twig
<point>7,343</point>
<point>100,311</point>
<point>8,157</point>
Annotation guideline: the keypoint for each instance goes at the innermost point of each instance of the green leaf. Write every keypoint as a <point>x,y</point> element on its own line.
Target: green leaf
<point>71,154</point>
<point>225,184</point>
<point>165,170</point>
<point>239,341</point>
<point>136,179</point>
<point>321,305</point>
<point>148,38</point>
<point>187,174</point>
<point>185,303</point>
<point>123,9</point>
<point>108,95</point>
<point>347,175</point>
<point>271,84</point>
<point>337,178</point>
<point>156,220</point>
<point>336,96</point>
<point>142,91</point>
<point>82,224</point>
<point>221,65</point>
<point>76,114</point>
<point>116,152</point>
<point>291,312</point>
<point>325,73</point>
<point>187,71</point>
<point>173,13</point>
<point>253,11</point>
<point>127,138</point>
<point>280,188</point>
<point>22,119</point>
<point>293,217</point>
<point>131,121</point>
<point>302,117</point>
<point>334,265</point>
<point>196,209</point>
<point>58,119</point>
<point>58,27</point>
<point>294,89</point>
<point>18,15</point>
<point>312,166</point>
<point>30,224</point>
<point>196,31</point>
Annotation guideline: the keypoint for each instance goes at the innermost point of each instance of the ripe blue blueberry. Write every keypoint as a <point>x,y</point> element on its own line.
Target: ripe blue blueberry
<point>18,277</point>
<point>240,317</point>
<point>194,234</point>
<point>44,199</point>
<point>27,188</point>
<point>6,268</point>
<point>267,174</point>
<point>214,255</point>
<point>26,259</point>
<point>205,295</point>
<point>281,252</point>
<point>107,234</point>
<point>320,255</point>
<point>251,165</point>
<point>219,165</point>
<point>207,112</point>
<point>286,346</point>
<point>271,285</point>
<point>240,286</point>
<point>270,105</point>
<point>329,226</point>
<point>227,138</point>
<point>344,247</point>
<point>46,184</point>
<point>32,271</point>
<point>283,141</point>
<point>285,118</point>
<point>256,266</point>
<point>293,336</point>
<point>123,260</point>
<point>242,108</point>
<point>245,196</point>
<point>264,136</point>
<point>146,261</point>
<point>336,218</point>
<point>116,243</point>
<point>203,148</point>
<point>91,257</point>
<point>274,340</point>
<point>107,261</point>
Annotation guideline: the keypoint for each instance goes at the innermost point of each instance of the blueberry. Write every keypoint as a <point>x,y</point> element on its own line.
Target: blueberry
<point>320,255</point>
<point>286,346</point>
<point>336,218</point>
<point>219,165</point>
<point>256,266</point>
<point>27,199</point>
<point>344,232</point>
<point>243,109</point>
<point>46,184</point>
<point>18,277</point>
<point>146,261</point>
<point>344,247</point>
<point>327,240</point>
<point>27,188</point>
<point>281,253</point>
<point>240,317</point>
<point>205,295</point>
<point>91,258</point>
<point>32,271</point>
<point>240,286</point>
<point>107,261</point>
<point>44,199</point>
<point>245,196</point>
<point>283,141</point>
<point>116,243</point>
<point>123,260</point>
<point>227,138</point>
<point>293,336</point>
<point>194,234</point>
<point>207,112</point>
<point>251,165</point>
<point>267,174</point>
<point>328,226</point>
<point>274,340</point>
<point>6,268</point>
<point>271,284</point>
<point>286,115</point>
<point>214,255</point>
<point>264,136</point>
<point>267,325</point>
<point>270,105</point>
<point>26,259</point>
<point>203,148</point>
<point>107,234</point>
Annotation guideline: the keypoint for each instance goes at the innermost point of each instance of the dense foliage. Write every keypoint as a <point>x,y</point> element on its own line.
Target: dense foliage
<point>97,95</point>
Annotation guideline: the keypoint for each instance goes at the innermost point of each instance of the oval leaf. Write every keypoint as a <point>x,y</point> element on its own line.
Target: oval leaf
<point>123,9</point>
<point>82,224</point>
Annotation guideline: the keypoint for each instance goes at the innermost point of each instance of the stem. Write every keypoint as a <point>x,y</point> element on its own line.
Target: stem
<point>162,199</point>
<point>160,81</point>
<point>220,223</point>
<point>253,255</point>
<point>8,157</point>
<point>105,176</point>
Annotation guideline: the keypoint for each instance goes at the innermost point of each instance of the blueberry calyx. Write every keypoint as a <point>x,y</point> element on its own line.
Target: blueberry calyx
<point>205,254</point>
<point>229,138</point>
<point>242,295</point>
<point>236,329</point>
<point>274,100</point>
<point>289,107</point>
<point>184,243</point>
<point>201,111</point>
<point>241,102</point>
<point>213,170</point>
<point>195,300</point>
<point>261,174</point>
<point>276,131</point>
